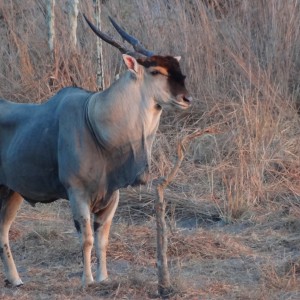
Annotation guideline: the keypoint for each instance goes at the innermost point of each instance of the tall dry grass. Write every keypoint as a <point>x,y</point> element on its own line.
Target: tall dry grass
<point>242,60</point>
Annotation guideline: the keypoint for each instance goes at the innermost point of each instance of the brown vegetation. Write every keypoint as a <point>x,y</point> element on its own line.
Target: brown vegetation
<point>234,208</point>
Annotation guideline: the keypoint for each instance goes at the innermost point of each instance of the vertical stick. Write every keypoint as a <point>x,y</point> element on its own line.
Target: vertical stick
<point>100,69</point>
<point>164,285</point>
<point>73,14</point>
<point>51,27</point>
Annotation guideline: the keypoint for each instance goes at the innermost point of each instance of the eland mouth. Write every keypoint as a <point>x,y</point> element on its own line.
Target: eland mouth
<point>182,101</point>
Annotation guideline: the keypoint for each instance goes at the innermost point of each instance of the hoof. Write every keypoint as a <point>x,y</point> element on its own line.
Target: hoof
<point>15,283</point>
<point>87,282</point>
<point>101,277</point>
<point>105,281</point>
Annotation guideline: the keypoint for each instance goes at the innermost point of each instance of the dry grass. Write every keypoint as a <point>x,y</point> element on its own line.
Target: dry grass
<point>234,208</point>
<point>244,260</point>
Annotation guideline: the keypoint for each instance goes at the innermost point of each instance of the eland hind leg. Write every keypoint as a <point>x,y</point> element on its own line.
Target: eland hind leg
<point>102,223</point>
<point>10,202</point>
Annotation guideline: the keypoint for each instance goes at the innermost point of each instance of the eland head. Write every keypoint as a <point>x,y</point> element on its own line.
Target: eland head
<point>161,75</point>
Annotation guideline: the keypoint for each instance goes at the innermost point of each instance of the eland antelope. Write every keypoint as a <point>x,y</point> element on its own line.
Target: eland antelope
<point>84,146</point>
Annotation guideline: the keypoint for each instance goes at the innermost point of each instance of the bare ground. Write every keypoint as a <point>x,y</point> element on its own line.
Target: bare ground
<point>255,258</point>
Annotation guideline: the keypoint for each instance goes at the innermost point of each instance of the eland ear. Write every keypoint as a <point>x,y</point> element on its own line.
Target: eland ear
<point>130,62</point>
<point>178,58</point>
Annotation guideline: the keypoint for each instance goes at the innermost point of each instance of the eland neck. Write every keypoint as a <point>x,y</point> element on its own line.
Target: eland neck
<point>124,113</point>
<point>124,120</point>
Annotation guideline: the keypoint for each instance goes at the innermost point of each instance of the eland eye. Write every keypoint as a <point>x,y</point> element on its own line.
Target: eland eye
<point>155,72</point>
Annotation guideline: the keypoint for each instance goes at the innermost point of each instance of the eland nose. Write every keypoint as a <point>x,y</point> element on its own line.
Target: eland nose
<point>183,101</point>
<point>187,99</point>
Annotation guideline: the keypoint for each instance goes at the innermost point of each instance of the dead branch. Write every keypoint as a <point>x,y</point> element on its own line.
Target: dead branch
<point>164,285</point>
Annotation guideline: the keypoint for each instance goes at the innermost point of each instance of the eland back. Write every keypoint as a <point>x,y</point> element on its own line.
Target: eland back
<point>85,146</point>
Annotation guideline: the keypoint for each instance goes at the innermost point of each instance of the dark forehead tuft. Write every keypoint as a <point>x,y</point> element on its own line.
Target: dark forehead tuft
<point>170,63</point>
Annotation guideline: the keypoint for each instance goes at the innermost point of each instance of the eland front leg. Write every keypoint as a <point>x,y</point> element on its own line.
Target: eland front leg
<point>81,214</point>
<point>102,223</point>
<point>9,205</point>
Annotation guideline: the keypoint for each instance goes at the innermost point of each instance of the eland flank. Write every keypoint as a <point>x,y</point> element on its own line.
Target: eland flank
<point>85,146</point>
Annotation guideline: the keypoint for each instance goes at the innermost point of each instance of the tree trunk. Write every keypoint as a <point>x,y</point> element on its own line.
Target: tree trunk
<point>100,69</point>
<point>73,14</point>
<point>51,27</point>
